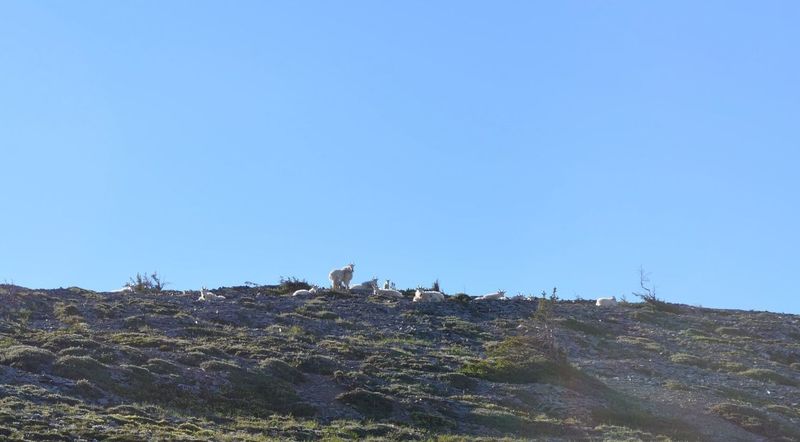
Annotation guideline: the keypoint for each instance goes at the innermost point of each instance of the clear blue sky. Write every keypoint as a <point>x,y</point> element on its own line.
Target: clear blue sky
<point>512,145</point>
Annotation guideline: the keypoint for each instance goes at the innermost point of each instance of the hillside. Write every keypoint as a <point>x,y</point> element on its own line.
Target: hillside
<point>263,365</point>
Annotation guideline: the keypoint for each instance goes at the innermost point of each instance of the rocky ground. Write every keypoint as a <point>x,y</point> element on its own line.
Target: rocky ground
<point>263,365</point>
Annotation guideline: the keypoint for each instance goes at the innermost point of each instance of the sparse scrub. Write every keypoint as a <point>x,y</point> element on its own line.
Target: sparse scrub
<point>291,284</point>
<point>144,283</point>
<point>649,295</point>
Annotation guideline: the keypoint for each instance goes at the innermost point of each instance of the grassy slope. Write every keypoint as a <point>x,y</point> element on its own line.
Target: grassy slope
<point>261,365</point>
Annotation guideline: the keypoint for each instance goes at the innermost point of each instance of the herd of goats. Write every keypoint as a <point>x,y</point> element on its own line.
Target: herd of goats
<point>340,282</point>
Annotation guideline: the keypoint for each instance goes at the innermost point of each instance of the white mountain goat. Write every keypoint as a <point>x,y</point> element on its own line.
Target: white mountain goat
<point>500,294</point>
<point>365,287</point>
<point>207,295</point>
<point>340,278</point>
<point>126,289</point>
<point>303,292</point>
<point>427,296</point>
<point>387,292</point>
<point>606,302</point>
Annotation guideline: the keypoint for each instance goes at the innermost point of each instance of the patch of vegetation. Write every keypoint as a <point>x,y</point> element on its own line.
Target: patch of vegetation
<point>26,357</point>
<point>765,374</point>
<point>461,327</point>
<point>317,364</point>
<point>641,342</point>
<point>67,313</point>
<point>585,327</point>
<point>144,283</point>
<point>370,404</point>
<point>458,381</point>
<point>291,284</point>
<point>620,410</point>
<point>755,421</point>
<point>687,359</point>
<point>282,370</point>
<point>523,359</point>
<point>650,298</point>
<point>82,367</point>
<point>148,340</point>
<point>732,331</point>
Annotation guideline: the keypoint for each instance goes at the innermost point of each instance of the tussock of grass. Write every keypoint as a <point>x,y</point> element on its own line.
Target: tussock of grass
<point>765,374</point>
<point>26,357</point>
<point>755,421</point>
<point>687,359</point>
<point>369,403</point>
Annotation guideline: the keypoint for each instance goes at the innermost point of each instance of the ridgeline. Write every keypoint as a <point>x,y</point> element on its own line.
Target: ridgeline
<point>264,365</point>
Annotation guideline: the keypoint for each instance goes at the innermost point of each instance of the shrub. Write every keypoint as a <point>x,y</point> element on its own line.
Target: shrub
<point>26,357</point>
<point>292,284</point>
<point>650,298</point>
<point>144,283</point>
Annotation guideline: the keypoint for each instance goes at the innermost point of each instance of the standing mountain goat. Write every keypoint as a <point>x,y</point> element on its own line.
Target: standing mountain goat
<point>427,296</point>
<point>606,302</point>
<point>340,278</point>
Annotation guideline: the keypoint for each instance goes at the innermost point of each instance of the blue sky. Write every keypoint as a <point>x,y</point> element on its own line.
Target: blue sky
<point>493,145</point>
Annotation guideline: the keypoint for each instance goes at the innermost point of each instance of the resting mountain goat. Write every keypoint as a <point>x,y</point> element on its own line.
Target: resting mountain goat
<point>365,287</point>
<point>606,302</point>
<point>387,292</point>
<point>303,292</point>
<point>500,294</point>
<point>126,289</point>
<point>207,295</point>
<point>340,278</point>
<point>427,296</point>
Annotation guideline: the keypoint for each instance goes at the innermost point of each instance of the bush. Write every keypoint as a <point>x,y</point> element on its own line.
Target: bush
<point>26,357</point>
<point>292,284</point>
<point>142,283</point>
